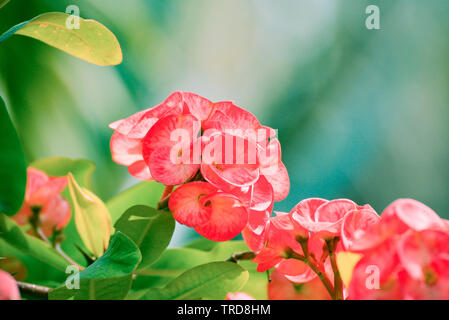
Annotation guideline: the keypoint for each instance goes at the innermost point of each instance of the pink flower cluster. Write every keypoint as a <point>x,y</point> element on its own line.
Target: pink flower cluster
<point>404,253</point>
<point>227,173</point>
<point>227,165</point>
<point>43,201</point>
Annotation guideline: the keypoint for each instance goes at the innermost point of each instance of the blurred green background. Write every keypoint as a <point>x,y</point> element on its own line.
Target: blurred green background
<point>361,114</point>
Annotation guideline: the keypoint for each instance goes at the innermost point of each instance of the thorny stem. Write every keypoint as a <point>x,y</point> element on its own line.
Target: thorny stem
<point>34,289</point>
<point>338,283</point>
<point>311,262</point>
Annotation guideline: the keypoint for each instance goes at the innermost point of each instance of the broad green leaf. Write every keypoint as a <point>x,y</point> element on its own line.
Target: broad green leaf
<point>92,218</point>
<point>11,233</point>
<point>12,165</point>
<point>149,228</point>
<point>146,193</point>
<point>95,289</point>
<point>208,281</point>
<point>37,271</point>
<point>174,262</point>
<point>121,258</point>
<point>3,3</point>
<point>92,42</point>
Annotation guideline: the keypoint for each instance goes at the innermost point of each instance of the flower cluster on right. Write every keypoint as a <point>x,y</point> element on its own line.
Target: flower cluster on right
<point>402,254</point>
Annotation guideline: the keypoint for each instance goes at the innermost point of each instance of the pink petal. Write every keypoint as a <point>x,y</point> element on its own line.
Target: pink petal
<point>232,158</point>
<point>124,126</point>
<point>164,170</point>
<point>258,220</point>
<point>239,117</point>
<point>173,105</point>
<point>125,151</point>
<point>52,188</point>
<point>35,180</point>
<point>355,224</point>
<point>55,214</point>
<point>304,277</point>
<point>277,176</point>
<point>165,134</point>
<point>227,220</point>
<point>185,203</point>
<point>381,262</point>
<point>262,195</point>
<point>140,170</point>
<point>254,241</point>
<point>303,214</point>
<point>331,215</point>
<point>292,267</point>
<point>239,296</point>
<point>198,106</point>
<point>417,250</point>
<point>414,214</point>
<point>8,287</point>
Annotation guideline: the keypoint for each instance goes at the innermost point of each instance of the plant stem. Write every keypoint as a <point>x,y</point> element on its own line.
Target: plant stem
<point>168,190</point>
<point>310,261</point>
<point>57,247</point>
<point>323,277</point>
<point>66,257</point>
<point>34,289</point>
<point>247,255</point>
<point>163,203</point>
<point>338,282</point>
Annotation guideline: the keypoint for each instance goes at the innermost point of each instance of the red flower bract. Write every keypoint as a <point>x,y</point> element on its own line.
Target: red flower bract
<point>43,197</point>
<point>227,165</point>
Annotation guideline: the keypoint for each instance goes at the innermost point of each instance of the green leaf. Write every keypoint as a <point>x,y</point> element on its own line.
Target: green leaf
<point>149,228</point>
<point>174,262</point>
<point>146,193</point>
<point>92,42</point>
<point>11,233</point>
<point>208,281</point>
<point>108,278</point>
<point>121,258</point>
<point>95,289</point>
<point>12,165</point>
<point>92,218</point>
<point>37,271</point>
<point>3,3</point>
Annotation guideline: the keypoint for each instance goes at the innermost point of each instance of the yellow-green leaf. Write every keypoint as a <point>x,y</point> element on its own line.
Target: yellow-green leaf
<point>92,218</point>
<point>346,262</point>
<point>92,41</point>
<point>3,3</point>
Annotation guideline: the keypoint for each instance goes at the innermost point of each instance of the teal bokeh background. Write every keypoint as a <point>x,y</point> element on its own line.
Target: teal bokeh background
<point>361,114</point>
